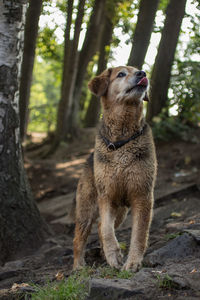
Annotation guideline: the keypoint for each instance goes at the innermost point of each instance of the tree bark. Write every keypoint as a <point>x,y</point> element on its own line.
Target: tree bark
<point>88,50</point>
<point>69,75</point>
<point>93,111</point>
<point>21,226</point>
<point>142,33</point>
<point>164,60</point>
<point>30,37</point>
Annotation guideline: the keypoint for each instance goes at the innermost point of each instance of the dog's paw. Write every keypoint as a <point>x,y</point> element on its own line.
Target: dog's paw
<point>115,258</point>
<point>78,265</point>
<point>133,266</point>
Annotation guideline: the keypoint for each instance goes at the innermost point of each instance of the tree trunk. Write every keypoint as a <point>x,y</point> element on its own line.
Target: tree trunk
<point>69,73</point>
<point>142,33</point>
<point>88,50</point>
<point>93,111</point>
<point>162,68</point>
<point>21,227</point>
<point>30,37</point>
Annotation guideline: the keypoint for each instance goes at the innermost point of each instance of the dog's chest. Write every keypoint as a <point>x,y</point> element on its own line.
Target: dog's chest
<point>122,157</point>
<point>122,163</point>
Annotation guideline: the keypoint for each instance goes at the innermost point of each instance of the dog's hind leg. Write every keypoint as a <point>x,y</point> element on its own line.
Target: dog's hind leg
<point>82,231</point>
<point>86,212</point>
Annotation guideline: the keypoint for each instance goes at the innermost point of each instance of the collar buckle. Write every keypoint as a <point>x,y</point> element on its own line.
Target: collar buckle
<point>111,147</point>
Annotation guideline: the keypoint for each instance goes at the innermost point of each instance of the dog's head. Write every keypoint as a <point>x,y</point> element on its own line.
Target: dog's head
<point>121,84</point>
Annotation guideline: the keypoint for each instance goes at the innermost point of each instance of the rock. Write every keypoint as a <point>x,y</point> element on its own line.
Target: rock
<point>8,274</point>
<point>57,207</point>
<point>54,251</point>
<point>144,278</point>
<point>195,233</point>
<point>13,265</point>
<point>112,289</point>
<point>180,281</point>
<point>184,273</point>
<point>180,247</point>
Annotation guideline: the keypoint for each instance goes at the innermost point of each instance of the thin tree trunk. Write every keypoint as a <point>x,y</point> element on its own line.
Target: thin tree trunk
<point>21,226</point>
<point>93,111</point>
<point>88,50</point>
<point>67,51</point>
<point>69,77</point>
<point>164,60</point>
<point>30,36</point>
<point>142,33</point>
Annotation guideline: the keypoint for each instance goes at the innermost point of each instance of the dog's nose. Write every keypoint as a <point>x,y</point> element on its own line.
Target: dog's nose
<point>140,74</point>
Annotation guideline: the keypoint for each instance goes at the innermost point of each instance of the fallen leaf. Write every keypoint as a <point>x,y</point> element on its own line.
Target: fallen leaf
<point>17,286</point>
<point>159,272</point>
<point>192,222</point>
<point>59,276</point>
<point>187,159</point>
<point>176,214</point>
<point>193,271</point>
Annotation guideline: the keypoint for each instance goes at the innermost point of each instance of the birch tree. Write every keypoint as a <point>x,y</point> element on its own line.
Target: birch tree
<point>21,226</point>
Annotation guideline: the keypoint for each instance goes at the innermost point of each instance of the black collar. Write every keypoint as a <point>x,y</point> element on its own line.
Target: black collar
<point>114,146</point>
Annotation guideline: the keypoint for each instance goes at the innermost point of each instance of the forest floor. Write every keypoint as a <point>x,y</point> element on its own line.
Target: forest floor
<point>171,267</point>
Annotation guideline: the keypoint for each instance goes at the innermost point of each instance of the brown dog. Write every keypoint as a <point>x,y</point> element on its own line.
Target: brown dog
<point>122,171</point>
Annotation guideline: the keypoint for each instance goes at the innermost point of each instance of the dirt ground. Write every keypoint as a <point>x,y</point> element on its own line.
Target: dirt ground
<point>175,233</point>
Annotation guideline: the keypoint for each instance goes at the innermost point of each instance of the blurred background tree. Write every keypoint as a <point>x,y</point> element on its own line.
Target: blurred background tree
<point>102,28</point>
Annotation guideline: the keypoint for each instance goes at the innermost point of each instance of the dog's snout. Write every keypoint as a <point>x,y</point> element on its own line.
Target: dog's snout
<point>140,74</point>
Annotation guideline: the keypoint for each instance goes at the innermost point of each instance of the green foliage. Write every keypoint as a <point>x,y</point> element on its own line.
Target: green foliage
<point>45,93</point>
<point>105,272</point>
<point>47,45</point>
<point>108,272</point>
<point>165,128</point>
<point>171,236</point>
<point>62,5</point>
<point>166,282</point>
<point>125,13</point>
<point>182,112</point>
<point>74,288</point>
<point>186,90</point>
<point>163,5</point>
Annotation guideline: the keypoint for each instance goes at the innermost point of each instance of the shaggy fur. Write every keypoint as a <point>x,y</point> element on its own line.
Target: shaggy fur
<point>114,181</point>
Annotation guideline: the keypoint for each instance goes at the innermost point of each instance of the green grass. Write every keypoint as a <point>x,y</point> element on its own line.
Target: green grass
<point>73,288</point>
<point>166,282</point>
<point>123,246</point>
<point>76,286</point>
<point>108,272</point>
<point>171,236</point>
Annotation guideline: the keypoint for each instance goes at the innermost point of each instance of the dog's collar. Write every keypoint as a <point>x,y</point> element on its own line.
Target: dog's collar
<point>116,145</point>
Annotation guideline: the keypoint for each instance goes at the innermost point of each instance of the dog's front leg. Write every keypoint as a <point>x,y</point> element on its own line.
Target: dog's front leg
<point>107,233</point>
<point>141,209</point>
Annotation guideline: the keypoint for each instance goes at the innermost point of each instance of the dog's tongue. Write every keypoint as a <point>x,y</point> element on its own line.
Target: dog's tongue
<point>143,81</point>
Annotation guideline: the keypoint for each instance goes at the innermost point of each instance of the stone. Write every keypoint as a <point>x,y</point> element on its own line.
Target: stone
<point>112,289</point>
<point>195,233</point>
<point>177,249</point>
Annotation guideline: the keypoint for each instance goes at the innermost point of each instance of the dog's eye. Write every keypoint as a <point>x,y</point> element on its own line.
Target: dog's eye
<point>121,74</point>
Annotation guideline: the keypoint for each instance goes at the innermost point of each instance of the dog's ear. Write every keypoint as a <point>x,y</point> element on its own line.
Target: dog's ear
<point>146,97</point>
<point>99,84</point>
